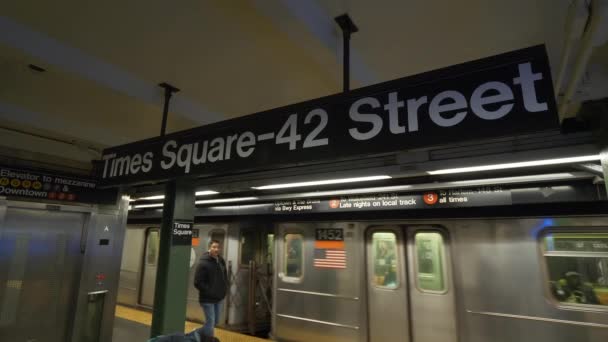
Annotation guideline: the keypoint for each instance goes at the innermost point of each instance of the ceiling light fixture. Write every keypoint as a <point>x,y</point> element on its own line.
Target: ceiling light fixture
<point>357,191</point>
<point>143,206</point>
<point>151,198</point>
<point>322,182</point>
<point>243,206</point>
<point>226,200</point>
<point>206,193</point>
<point>544,162</point>
<point>160,197</point>
<point>434,186</point>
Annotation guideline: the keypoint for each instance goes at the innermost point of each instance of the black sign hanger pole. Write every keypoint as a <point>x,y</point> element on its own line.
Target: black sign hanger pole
<point>174,251</point>
<point>169,90</point>
<point>348,27</point>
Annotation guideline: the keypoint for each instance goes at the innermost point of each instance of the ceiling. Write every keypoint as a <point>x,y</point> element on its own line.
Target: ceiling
<point>104,60</point>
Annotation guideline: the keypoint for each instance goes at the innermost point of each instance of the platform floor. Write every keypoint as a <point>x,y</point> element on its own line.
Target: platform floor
<point>133,325</point>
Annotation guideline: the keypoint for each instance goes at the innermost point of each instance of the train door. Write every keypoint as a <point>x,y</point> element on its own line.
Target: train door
<point>410,294</point>
<point>253,278</point>
<point>150,265</point>
<point>387,289</point>
<point>319,283</point>
<point>40,263</point>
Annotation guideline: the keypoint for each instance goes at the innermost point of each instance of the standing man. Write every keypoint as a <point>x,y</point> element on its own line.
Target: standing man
<point>211,282</point>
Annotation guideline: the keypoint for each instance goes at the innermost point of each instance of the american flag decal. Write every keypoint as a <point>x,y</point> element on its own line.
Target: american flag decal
<point>330,254</point>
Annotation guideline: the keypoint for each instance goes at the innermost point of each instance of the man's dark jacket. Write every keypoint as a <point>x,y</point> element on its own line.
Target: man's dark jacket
<point>211,279</point>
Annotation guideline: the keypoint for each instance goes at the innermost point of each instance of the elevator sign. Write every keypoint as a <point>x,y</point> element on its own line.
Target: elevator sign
<point>498,96</point>
<point>44,185</point>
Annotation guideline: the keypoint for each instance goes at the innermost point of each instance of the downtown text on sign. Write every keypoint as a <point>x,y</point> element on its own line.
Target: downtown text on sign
<point>498,96</point>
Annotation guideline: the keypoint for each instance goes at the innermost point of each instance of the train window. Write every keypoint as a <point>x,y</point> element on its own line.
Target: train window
<point>152,246</point>
<point>577,267</point>
<point>294,257</point>
<point>429,261</point>
<point>385,260</point>
<point>249,243</point>
<point>270,248</point>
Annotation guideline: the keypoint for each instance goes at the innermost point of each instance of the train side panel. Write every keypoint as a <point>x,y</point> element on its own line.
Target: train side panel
<point>314,303</point>
<point>503,289</point>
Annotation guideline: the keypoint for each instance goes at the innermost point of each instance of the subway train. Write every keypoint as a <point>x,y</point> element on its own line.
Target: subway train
<point>241,247</point>
<point>503,279</point>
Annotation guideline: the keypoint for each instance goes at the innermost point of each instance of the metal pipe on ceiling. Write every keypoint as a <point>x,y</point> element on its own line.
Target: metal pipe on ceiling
<point>96,152</point>
<point>597,15</point>
<point>575,27</point>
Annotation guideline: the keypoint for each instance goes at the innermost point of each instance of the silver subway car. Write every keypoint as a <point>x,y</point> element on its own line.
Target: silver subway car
<point>472,280</point>
<point>448,280</point>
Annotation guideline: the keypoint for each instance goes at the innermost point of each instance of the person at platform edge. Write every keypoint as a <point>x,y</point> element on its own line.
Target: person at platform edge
<point>211,281</point>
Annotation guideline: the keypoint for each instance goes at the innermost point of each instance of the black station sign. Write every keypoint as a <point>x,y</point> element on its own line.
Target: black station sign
<point>449,198</point>
<point>438,199</point>
<point>503,95</point>
<point>181,234</point>
<point>21,183</point>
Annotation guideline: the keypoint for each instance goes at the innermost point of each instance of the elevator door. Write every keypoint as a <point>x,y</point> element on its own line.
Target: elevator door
<point>40,262</point>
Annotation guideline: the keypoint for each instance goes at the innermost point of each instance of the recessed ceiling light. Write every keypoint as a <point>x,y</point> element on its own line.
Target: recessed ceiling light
<point>160,197</point>
<point>431,186</point>
<point>226,200</point>
<point>152,198</point>
<point>516,165</point>
<point>206,193</point>
<point>322,182</point>
<point>142,206</point>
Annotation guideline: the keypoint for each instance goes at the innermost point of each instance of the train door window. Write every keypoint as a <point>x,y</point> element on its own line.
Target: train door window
<point>385,258</point>
<point>429,261</point>
<point>152,246</point>
<point>249,244</point>
<point>577,267</point>
<point>269,248</point>
<point>294,257</point>
<point>218,235</point>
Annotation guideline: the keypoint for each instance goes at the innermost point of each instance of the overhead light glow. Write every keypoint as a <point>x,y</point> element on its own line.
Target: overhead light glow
<point>160,197</point>
<point>152,198</point>
<point>206,193</point>
<point>432,186</point>
<point>322,182</point>
<point>516,179</point>
<point>226,200</point>
<point>142,206</point>
<point>516,165</point>
<point>357,191</point>
<point>235,207</point>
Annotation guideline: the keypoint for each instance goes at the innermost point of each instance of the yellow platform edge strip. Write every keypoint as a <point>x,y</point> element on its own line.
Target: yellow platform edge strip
<point>145,318</point>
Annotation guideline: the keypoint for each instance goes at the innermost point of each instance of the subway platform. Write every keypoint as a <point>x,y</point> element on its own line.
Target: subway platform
<point>132,325</point>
